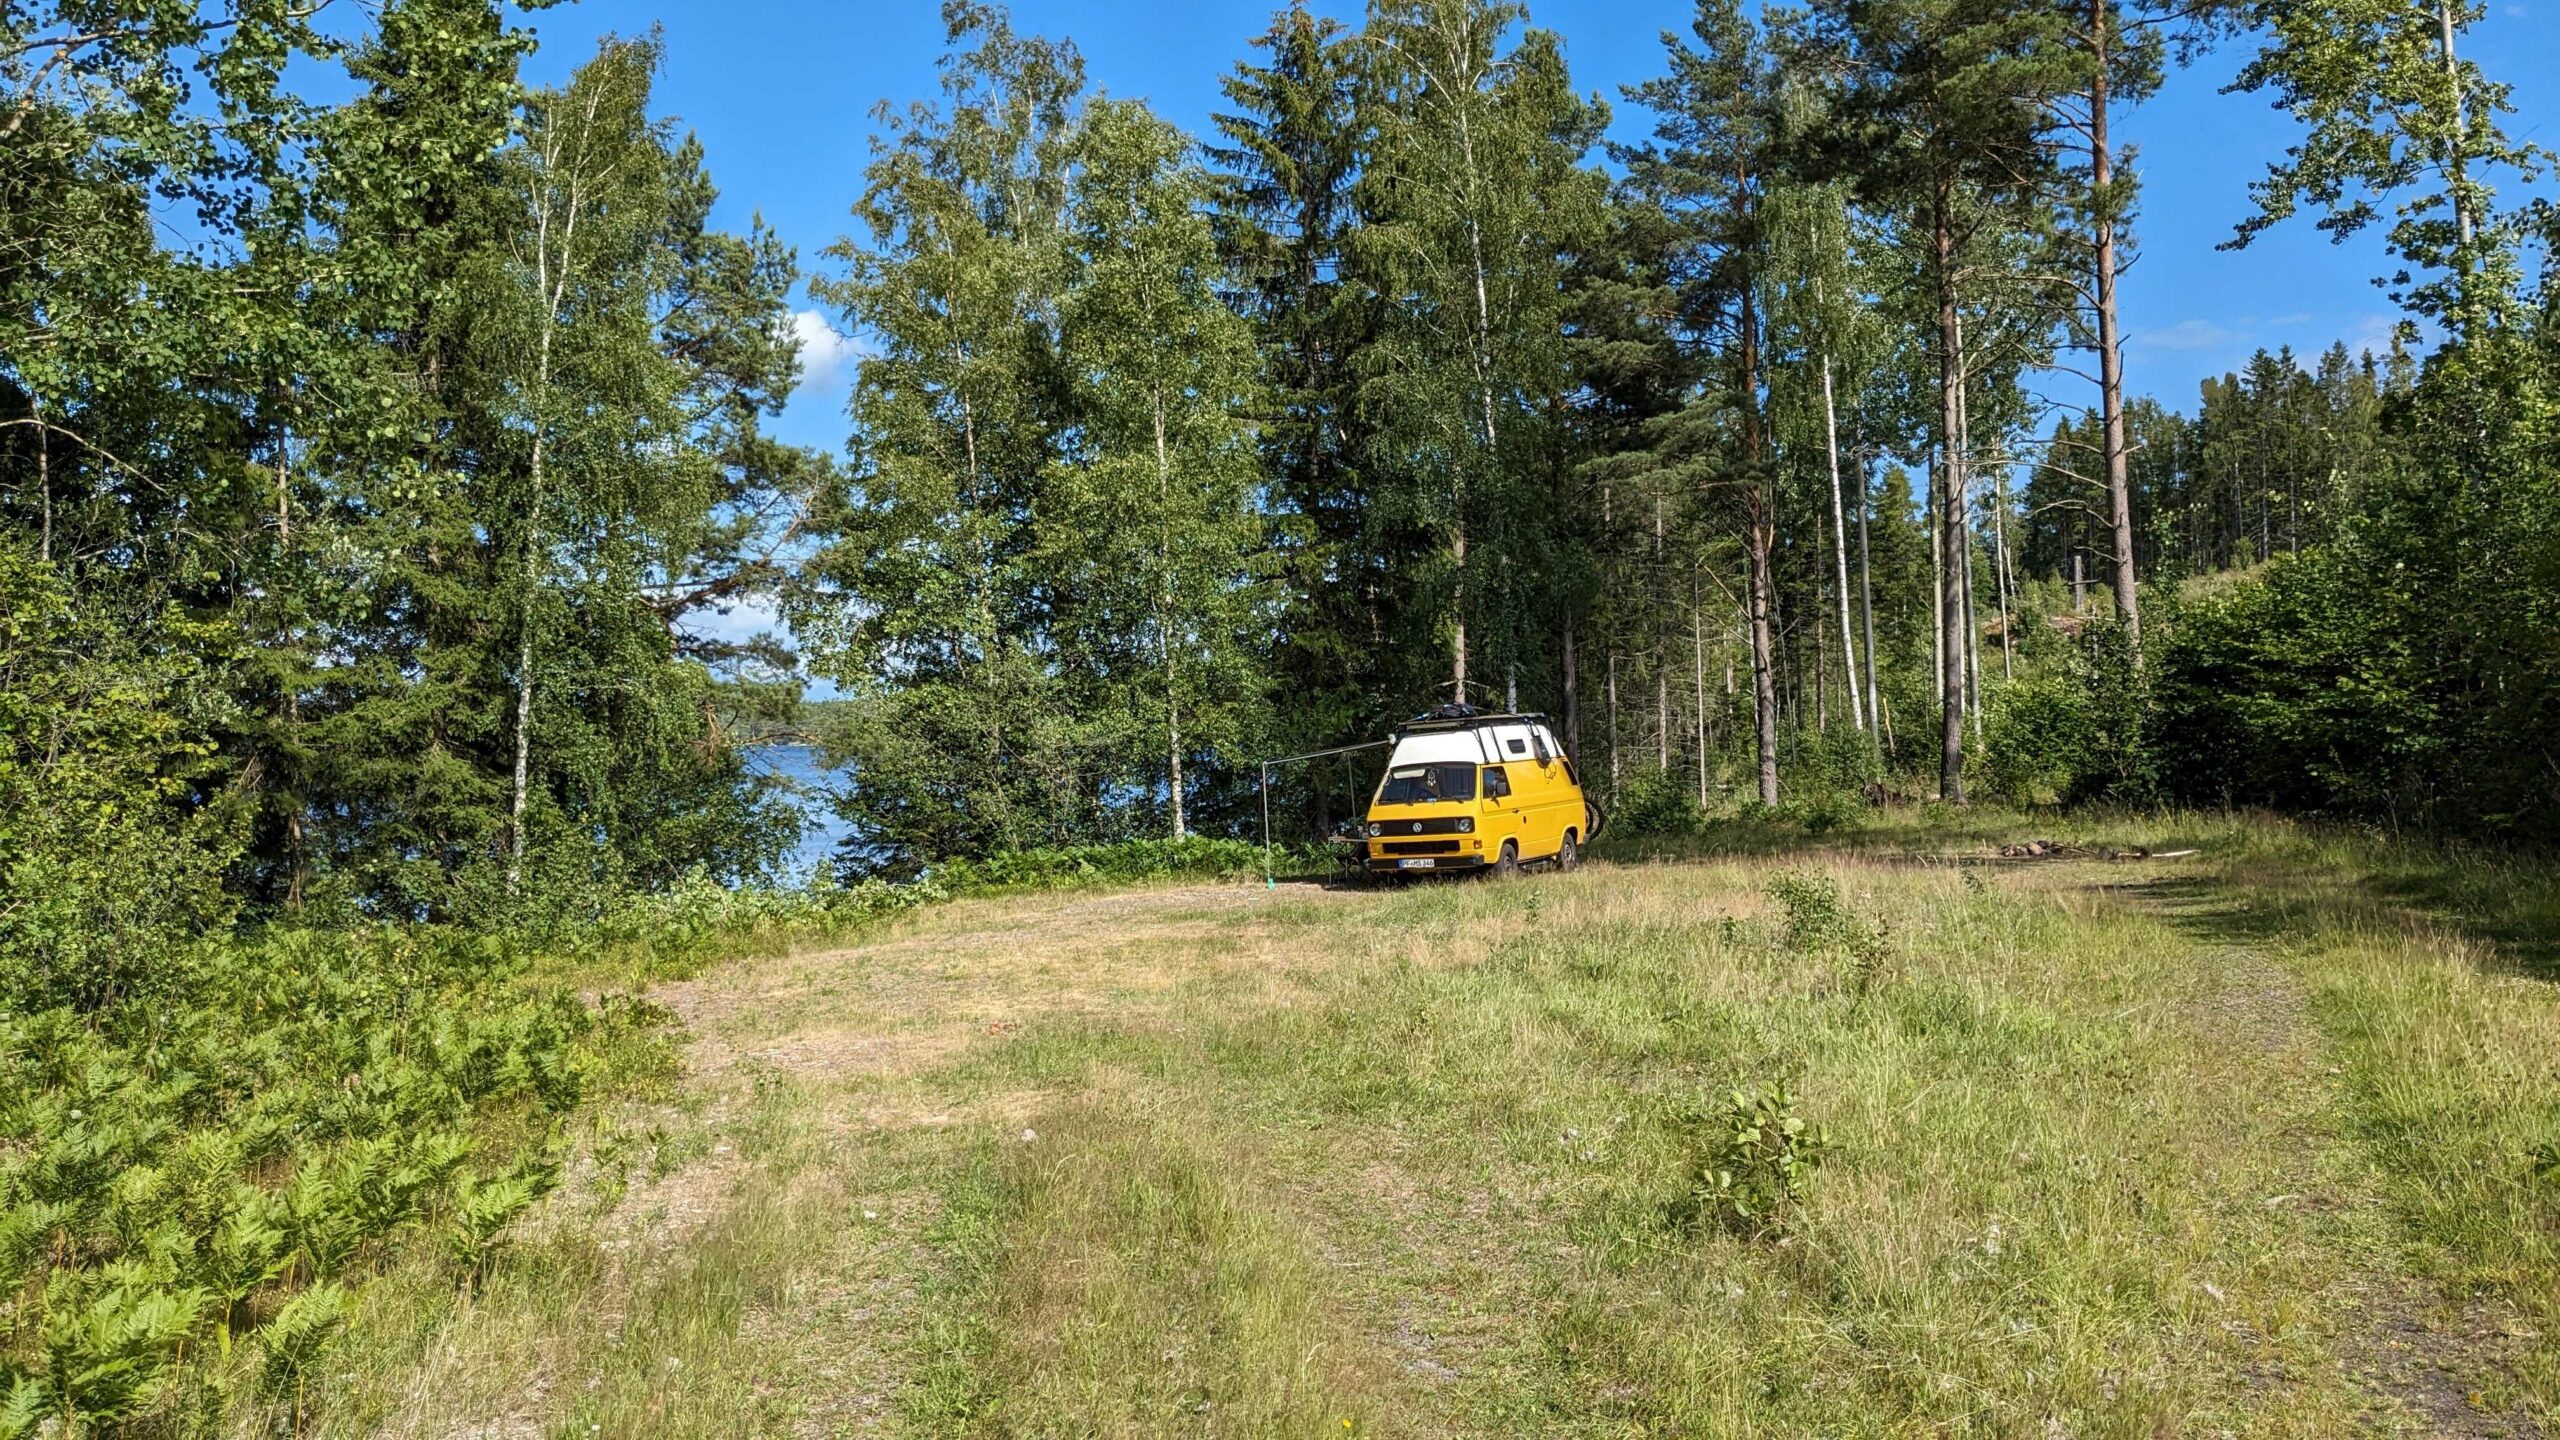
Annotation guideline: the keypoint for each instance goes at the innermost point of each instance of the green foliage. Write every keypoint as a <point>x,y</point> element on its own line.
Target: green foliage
<point>1756,1157</point>
<point>1815,920</point>
<point>109,870</point>
<point>2073,730</point>
<point>1655,802</point>
<point>302,1328</point>
<point>106,1355</point>
<point>1197,857</point>
<point>278,1114</point>
<point>484,1206</point>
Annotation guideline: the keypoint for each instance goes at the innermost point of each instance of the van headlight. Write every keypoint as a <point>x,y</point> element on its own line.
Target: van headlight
<point>1466,824</point>
<point>1376,830</point>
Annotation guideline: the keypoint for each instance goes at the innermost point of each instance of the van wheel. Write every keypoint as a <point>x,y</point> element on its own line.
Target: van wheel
<point>1570,854</point>
<point>1508,865</point>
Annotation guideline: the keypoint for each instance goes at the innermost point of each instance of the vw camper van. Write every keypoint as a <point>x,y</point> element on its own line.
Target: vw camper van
<point>1466,790</point>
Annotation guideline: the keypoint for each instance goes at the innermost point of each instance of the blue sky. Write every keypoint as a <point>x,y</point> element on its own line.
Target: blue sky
<point>781,92</point>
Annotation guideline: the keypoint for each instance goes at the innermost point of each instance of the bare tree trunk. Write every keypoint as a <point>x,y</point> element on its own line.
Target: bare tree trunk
<point>2000,554</point>
<point>1698,673</point>
<point>1572,694</point>
<point>1867,604</point>
<point>1662,712</point>
<point>1164,626</point>
<point>2110,356</point>
<point>1763,540</point>
<point>553,287</point>
<point>1964,510</point>
<point>1950,526</point>
<point>1614,769</point>
<point>1840,548</point>
<point>1661,665</point>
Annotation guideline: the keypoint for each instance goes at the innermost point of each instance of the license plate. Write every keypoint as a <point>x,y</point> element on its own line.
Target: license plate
<point>1417,864</point>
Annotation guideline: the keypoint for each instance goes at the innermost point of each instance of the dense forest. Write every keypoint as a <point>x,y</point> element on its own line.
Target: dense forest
<point>367,467</point>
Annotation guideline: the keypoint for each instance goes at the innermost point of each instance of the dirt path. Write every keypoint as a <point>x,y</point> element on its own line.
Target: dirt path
<point>2421,1356</point>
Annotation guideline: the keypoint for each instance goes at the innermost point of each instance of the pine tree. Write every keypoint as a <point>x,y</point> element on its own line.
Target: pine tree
<point>1286,157</point>
<point>1941,123</point>
<point>1710,168</point>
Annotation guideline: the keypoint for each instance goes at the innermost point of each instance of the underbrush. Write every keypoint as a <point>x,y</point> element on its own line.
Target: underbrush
<point>1196,857</point>
<point>205,1168</point>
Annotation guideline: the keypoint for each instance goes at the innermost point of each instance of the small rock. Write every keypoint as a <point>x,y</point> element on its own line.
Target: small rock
<point>1030,1135</point>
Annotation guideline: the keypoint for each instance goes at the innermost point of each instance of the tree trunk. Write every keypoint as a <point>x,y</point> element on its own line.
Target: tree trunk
<point>2000,556</point>
<point>1614,771</point>
<point>1763,540</point>
<point>1698,674</point>
<point>1164,626</point>
<point>1840,547</point>
<point>1867,604</point>
<point>2110,358</point>
<point>1572,695</point>
<point>1950,526</point>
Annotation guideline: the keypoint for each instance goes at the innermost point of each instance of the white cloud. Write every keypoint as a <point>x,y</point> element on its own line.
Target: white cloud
<point>736,622</point>
<point>2372,332</point>
<point>2187,335</point>
<point>825,353</point>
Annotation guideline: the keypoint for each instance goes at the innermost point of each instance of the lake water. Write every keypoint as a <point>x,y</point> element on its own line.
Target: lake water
<point>808,783</point>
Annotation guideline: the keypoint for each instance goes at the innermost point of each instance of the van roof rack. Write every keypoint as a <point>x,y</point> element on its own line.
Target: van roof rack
<point>1465,717</point>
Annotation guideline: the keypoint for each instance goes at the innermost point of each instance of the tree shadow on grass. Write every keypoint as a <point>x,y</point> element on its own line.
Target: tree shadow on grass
<point>2513,911</point>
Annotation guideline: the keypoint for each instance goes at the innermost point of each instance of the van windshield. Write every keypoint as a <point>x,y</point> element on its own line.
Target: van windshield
<point>1423,784</point>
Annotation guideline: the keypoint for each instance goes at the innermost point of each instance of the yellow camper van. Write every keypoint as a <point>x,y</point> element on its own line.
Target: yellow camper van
<point>1471,791</point>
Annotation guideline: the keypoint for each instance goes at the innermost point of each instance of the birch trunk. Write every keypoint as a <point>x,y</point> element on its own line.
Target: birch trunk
<point>1840,547</point>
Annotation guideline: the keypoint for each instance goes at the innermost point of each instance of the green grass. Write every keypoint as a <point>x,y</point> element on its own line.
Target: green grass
<point>2254,1142</point>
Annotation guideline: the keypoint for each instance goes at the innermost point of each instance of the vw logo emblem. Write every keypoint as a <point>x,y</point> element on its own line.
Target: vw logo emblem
<point>1417,827</point>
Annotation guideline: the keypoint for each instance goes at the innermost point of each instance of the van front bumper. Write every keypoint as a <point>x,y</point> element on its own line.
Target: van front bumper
<point>1407,864</point>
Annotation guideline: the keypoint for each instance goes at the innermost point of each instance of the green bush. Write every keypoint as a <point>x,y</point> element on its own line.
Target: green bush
<point>1655,802</point>
<point>1757,1162</point>
<point>2074,731</point>
<point>1194,857</point>
<point>1814,919</point>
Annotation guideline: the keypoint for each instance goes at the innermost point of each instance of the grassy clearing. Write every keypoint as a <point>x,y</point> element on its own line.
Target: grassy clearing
<point>2248,1143</point>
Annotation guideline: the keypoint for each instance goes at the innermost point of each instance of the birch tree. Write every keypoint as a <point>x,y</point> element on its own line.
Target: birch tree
<point>1151,523</point>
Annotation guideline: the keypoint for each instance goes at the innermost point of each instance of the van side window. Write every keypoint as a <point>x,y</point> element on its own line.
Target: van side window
<point>1497,785</point>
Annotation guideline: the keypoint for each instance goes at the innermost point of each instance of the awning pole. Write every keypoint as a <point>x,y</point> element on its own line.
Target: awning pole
<point>1269,881</point>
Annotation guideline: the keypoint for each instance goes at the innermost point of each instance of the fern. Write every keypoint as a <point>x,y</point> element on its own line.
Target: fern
<point>484,1207</point>
<point>303,1328</point>
<point>106,1359</point>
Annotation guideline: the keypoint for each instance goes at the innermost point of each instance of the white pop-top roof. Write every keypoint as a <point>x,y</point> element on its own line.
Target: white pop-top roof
<point>1494,743</point>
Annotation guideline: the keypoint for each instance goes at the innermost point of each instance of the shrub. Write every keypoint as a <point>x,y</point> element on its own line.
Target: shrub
<point>1757,1162</point>
<point>1815,920</point>
<point>1655,802</point>
<point>2075,732</point>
